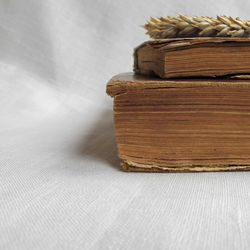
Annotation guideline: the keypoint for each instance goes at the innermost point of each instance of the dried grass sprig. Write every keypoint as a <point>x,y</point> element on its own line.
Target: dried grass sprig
<point>197,26</point>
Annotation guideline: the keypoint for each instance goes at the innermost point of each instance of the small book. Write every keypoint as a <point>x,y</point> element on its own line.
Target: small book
<point>181,125</point>
<point>193,57</point>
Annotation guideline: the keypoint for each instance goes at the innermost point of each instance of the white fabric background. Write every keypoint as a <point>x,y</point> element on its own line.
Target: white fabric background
<point>61,186</point>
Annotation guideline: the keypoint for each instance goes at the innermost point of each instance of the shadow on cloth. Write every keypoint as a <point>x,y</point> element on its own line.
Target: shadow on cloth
<point>99,143</point>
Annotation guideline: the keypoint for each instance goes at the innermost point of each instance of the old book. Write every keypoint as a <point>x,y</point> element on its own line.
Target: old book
<point>181,125</point>
<point>193,57</point>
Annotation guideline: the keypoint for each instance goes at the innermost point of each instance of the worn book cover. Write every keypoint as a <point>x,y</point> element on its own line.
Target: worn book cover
<point>181,125</point>
<point>193,57</point>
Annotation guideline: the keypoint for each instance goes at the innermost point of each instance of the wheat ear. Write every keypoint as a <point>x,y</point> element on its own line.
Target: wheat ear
<point>197,26</point>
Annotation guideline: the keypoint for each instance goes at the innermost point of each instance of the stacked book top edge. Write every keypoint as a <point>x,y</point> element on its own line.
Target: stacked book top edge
<point>130,81</point>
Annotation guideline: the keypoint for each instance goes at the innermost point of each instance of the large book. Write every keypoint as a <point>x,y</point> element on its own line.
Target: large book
<point>181,125</point>
<point>193,57</point>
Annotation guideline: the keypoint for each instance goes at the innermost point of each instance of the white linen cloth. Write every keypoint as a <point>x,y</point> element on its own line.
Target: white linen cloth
<point>61,186</point>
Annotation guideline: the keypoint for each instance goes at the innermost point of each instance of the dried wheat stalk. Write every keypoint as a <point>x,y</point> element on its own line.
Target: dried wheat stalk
<point>197,26</point>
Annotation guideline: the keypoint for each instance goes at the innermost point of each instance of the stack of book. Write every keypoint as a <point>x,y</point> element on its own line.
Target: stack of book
<point>186,106</point>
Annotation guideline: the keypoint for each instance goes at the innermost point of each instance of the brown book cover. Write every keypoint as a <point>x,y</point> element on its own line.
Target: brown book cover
<point>193,57</point>
<point>181,125</point>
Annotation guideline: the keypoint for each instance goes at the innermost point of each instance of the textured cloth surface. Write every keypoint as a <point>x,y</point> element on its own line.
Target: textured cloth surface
<point>61,186</point>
